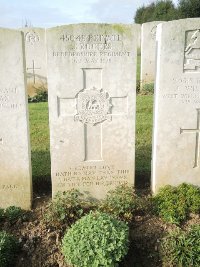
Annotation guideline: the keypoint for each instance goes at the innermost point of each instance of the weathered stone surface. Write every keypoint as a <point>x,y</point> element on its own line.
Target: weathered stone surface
<point>177,105</point>
<point>91,81</point>
<point>35,49</point>
<point>148,52</point>
<point>15,163</point>
<point>138,29</point>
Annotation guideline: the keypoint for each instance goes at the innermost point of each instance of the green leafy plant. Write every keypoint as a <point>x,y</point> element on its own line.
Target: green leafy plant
<point>8,249</point>
<point>41,96</point>
<point>174,204</point>
<point>190,194</point>
<point>13,213</point>
<point>95,240</point>
<point>147,89</point>
<point>180,248</point>
<point>67,207</point>
<point>120,203</point>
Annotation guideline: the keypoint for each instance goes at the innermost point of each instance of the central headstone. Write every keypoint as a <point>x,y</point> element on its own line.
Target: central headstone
<point>91,80</point>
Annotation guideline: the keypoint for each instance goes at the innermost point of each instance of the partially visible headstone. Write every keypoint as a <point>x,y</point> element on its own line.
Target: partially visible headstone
<point>35,48</point>
<point>176,141</point>
<point>15,160</point>
<point>148,52</point>
<point>92,85</point>
<point>138,29</point>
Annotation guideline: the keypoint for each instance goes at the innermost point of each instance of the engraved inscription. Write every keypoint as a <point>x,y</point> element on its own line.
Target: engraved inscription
<point>184,91</point>
<point>8,99</point>
<point>196,132</point>
<point>91,38</point>
<point>192,51</point>
<point>85,176</point>
<point>91,57</point>
<point>32,37</point>
<point>11,187</point>
<point>96,49</point>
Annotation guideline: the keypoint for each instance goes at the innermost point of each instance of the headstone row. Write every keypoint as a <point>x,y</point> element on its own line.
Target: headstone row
<point>91,71</point>
<point>15,163</point>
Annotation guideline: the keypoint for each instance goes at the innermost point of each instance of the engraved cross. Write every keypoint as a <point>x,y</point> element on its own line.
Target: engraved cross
<point>33,68</point>
<point>196,132</point>
<point>93,132</point>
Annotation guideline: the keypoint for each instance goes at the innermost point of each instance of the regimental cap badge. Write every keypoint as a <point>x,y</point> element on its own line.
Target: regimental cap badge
<point>93,106</point>
<point>32,37</point>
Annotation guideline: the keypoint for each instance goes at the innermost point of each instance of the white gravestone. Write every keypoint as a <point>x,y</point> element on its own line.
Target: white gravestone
<point>15,160</point>
<point>35,49</point>
<point>176,140</point>
<point>138,29</point>
<point>92,84</point>
<point>148,52</point>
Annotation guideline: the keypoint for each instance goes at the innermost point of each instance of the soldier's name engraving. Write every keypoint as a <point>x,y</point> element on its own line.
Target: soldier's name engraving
<point>83,49</point>
<point>184,91</point>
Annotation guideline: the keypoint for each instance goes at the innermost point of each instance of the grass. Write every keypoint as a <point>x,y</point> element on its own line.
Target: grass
<point>144,124</point>
<point>40,151</point>
<point>39,129</point>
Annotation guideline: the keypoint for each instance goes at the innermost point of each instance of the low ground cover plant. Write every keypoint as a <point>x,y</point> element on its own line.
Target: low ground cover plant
<point>182,248</point>
<point>97,239</point>
<point>147,89</point>
<point>8,249</point>
<point>67,207</point>
<point>13,213</point>
<point>120,203</point>
<point>174,204</point>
